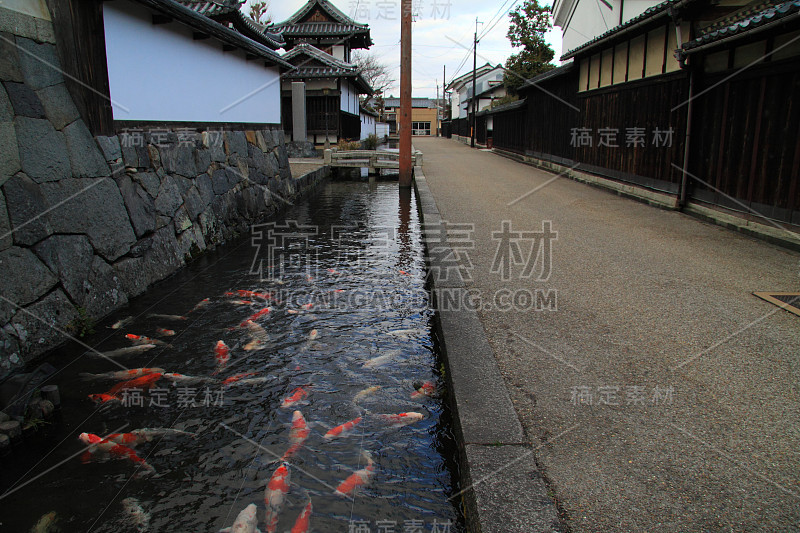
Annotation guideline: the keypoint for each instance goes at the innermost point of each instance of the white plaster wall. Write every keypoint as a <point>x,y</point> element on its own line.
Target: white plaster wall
<point>34,8</point>
<point>158,72</point>
<point>381,130</point>
<point>349,99</point>
<point>593,18</point>
<point>367,126</point>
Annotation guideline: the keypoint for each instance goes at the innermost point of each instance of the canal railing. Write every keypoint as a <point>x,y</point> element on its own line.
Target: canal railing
<point>374,160</point>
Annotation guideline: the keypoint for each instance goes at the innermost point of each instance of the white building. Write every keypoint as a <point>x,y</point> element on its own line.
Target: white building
<point>488,84</point>
<point>583,20</point>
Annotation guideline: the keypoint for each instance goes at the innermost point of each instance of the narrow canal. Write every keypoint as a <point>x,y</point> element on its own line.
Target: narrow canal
<point>263,349</point>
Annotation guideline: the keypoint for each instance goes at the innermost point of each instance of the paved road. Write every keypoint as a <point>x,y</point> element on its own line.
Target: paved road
<point>654,314</point>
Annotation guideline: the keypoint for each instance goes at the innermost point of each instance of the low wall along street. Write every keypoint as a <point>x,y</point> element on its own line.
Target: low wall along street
<point>87,223</point>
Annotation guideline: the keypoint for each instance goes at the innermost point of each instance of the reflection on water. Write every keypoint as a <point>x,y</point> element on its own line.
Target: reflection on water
<point>347,338</point>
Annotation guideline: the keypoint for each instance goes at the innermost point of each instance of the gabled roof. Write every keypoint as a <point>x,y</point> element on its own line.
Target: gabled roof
<point>203,24</point>
<point>464,78</point>
<point>550,74</point>
<point>324,5</point>
<point>338,24</point>
<point>304,57</point>
<point>229,11</point>
<point>749,23</point>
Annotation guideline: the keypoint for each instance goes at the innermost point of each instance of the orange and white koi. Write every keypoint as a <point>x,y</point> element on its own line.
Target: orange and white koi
<point>402,419</point>
<point>404,273</point>
<point>297,435</point>
<point>275,494</point>
<point>357,479</point>
<point>237,377</point>
<point>253,294</point>
<point>250,381</point>
<point>308,306</point>
<point>122,374</point>
<point>112,448</point>
<point>342,429</point>
<point>313,335</point>
<point>166,332</point>
<point>332,271</point>
<point>240,302</point>
<point>297,394</point>
<point>222,354</point>
<point>143,382</point>
<point>201,304</point>
<point>104,398</point>
<point>138,436</point>
<point>141,339</point>
<point>245,522</point>
<point>303,521</point>
<point>426,389</point>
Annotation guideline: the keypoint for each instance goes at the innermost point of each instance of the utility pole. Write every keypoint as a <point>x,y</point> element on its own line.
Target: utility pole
<point>406,171</point>
<point>474,69</point>
<point>437,109</point>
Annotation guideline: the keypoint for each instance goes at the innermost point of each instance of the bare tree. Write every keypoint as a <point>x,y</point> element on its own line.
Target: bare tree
<point>374,72</point>
<point>259,11</point>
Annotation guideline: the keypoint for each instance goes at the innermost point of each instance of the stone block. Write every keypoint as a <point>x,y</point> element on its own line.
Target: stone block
<point>159,261</point>
<point>141,207</point>
<point>27,279</point>
<point>96,209</point>
<point>6,238</point>
<point>169,197</point>
<point>42,150</point>
<point>44,31</point>
<point>10,69</point>
<point>182,221</point>
<point>24,100</point>
<point>70,258</point>
<point>10,163</point>
<point>40,65</point>
<point>58,105</point>
<point>85,157</point>
<point>6,109</point>
<point>104,291</point>
<point>54,314</point>
<point>26,204</point>
<point>110,147</point>
<point>150,181</point>
<point>193,203</point>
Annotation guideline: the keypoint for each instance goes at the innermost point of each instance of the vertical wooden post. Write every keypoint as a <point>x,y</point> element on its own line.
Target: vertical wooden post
<point>405,95</point>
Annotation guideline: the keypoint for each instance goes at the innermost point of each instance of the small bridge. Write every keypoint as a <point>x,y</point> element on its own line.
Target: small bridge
<point>374,160</point>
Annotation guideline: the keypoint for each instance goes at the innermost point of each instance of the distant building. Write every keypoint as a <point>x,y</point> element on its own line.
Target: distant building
<point>489,87</point>
<point>319,43</point>
<point>424,115</point>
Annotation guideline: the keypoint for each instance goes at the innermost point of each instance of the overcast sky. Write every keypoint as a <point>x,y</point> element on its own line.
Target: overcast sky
<point>439,21</point>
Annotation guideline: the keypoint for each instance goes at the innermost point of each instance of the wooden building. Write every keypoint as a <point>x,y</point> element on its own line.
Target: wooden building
<point>692,98</point>
<point>319,43</point>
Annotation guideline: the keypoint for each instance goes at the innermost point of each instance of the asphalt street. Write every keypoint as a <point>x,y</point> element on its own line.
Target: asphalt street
<point>660,393</point>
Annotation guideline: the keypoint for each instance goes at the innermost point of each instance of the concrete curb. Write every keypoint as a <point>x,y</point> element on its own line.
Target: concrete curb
<point>502,489</point>
<point>717,216</point>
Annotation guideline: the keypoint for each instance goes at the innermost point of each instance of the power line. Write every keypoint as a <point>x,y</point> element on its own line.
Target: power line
<point>499,19</point>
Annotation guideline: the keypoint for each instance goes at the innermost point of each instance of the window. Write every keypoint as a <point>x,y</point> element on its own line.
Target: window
<point>421,128</point>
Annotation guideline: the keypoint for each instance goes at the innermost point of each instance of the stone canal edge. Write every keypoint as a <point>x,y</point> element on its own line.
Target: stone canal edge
<point>502,488</point>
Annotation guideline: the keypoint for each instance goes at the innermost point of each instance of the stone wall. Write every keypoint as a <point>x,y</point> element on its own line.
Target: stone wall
<point>87,223</point>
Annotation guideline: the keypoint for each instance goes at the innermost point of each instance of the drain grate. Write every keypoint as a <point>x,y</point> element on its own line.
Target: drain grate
<point>786,300</point>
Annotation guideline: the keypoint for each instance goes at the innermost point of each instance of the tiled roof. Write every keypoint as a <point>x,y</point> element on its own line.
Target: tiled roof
<point>224,11</point>
<point>333,68</point>
<point>313,29</point>
<point>778,13</point>
<point>504,107</point>
<point>544,76</point>
<point>204,24</point>
<point>325,6</point>
<point>657,10</point>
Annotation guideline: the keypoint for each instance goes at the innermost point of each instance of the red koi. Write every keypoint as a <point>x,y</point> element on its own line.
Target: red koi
<point>402,419</point>
<point>104,398</point>
<point>116,450</point>
<point>143,382</point>
<point>166,332</point>
<point>338,431</point>
<point>308,306</point>
<point>222,355</point>
<point>297,394</point>
<point>141,339</point>
<point>297,435</point>
<point>256,316</point>
<point>274,495</point>
<point>303,521</point>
